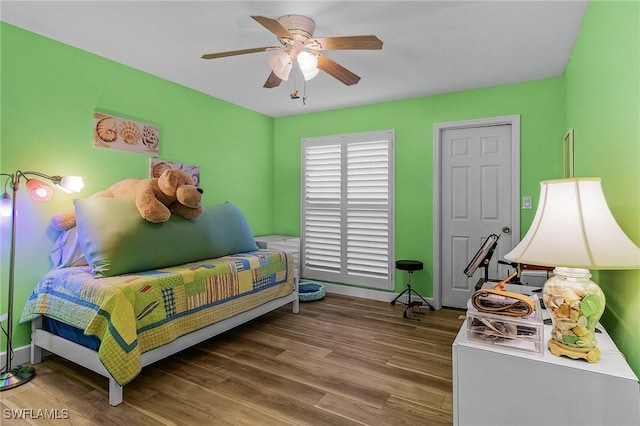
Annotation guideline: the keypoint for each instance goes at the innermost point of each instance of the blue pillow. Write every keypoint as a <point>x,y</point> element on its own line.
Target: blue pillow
<point>116,240</point>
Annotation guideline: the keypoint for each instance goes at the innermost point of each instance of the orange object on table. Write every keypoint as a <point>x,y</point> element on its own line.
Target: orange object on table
<point>502,284</point>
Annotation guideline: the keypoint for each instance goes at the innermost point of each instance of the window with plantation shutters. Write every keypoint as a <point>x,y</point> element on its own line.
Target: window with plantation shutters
<point>347,206</point>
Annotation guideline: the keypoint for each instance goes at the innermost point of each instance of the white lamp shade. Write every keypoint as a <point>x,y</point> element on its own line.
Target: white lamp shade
<point>574,227</point>
<point>308,63</point>
<point>71,184</point>
<point>310,74</point>
<point>280,63</point>
<point>6,205</point>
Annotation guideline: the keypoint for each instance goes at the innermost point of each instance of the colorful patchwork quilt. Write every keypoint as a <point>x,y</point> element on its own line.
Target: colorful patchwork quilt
<point>134,313</point>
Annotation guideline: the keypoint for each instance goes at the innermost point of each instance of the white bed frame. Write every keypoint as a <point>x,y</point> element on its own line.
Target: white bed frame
<point>42,339</point>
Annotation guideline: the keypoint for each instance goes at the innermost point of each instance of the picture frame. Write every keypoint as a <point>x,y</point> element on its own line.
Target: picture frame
<point>158,165</point>
<point>125,134</point>
<point>567,154</point>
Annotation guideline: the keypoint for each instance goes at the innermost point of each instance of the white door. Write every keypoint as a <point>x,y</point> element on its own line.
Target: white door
<point>479,190</point>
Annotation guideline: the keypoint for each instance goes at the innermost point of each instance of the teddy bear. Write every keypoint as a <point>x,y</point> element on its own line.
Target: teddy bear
<point>156,198</point>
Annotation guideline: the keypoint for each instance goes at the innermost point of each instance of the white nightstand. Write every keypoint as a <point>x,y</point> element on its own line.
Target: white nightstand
<point>284,243</point>
<point>495,386</point>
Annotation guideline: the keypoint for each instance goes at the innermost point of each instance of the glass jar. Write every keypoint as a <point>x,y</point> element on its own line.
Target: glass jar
<point>576,304</point>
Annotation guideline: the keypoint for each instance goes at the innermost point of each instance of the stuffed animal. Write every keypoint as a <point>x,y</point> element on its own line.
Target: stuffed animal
<point>156,198</point>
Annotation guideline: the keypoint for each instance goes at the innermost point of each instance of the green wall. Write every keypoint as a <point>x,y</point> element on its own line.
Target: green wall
<point>49,93</point>
<point>603,106</point>
<point>540,104</point>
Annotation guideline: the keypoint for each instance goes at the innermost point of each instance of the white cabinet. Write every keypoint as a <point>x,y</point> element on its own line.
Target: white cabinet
<point>283,243</point>
<point>496,386</point>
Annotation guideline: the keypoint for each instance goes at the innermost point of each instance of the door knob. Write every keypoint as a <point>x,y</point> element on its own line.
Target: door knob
<point>506,229</point>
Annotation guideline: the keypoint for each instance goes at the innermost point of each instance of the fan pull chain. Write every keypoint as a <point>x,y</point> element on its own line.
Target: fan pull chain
<point>304,92</point>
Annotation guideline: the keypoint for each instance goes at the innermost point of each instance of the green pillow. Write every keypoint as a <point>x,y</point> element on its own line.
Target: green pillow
<point>116,240</point>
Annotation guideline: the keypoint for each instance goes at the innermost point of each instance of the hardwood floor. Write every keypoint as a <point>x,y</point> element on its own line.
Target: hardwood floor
<point>340,361</point>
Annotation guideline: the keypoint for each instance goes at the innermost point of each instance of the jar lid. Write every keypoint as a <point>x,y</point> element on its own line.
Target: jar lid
<point>572,272</point>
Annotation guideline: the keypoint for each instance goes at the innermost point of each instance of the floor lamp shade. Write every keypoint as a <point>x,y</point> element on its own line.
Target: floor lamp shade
<point>574,230</point>
<point>39,191</point>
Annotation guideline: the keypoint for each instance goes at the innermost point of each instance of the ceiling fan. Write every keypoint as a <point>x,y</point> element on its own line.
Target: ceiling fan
<point>295,33</point>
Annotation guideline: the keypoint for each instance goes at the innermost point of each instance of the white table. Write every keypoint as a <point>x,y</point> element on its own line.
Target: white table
<point>497,386</point>
<point>284,243</point>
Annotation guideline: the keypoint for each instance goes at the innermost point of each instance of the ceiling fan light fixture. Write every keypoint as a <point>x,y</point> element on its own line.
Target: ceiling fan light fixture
<point>308,62</point>
<point>280,63</point>
<point>309,75</point>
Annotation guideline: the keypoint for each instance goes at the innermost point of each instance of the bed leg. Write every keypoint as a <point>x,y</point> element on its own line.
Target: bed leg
<point>36,351</point>
<point>296,302</point>
<point>115,393</point>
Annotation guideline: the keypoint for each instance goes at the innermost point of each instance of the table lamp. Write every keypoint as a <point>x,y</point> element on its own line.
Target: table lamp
<point>574,231</point>
<point>40,192</point>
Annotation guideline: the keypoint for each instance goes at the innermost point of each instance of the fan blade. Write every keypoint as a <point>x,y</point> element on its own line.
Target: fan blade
<point>336,70</point>
<point>272,81</point>
<point>273,25</point>
<point>361,42</point>
<point>238,52</point>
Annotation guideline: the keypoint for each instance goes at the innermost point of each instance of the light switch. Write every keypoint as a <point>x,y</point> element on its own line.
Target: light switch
<point>526,203</point>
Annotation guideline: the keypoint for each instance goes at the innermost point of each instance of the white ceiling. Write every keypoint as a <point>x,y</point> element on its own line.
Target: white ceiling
<point>430,47</point>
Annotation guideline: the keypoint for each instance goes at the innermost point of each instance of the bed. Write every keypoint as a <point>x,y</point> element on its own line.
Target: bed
<point>115,323</point>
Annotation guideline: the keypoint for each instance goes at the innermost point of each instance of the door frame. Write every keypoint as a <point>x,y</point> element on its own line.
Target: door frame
<point>438,130</point>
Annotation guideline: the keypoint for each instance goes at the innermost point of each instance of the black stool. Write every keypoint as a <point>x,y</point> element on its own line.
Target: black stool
<point>410,266</point>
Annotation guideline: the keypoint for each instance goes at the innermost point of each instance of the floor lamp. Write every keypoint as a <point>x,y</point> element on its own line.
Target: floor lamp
<point>40,192</point>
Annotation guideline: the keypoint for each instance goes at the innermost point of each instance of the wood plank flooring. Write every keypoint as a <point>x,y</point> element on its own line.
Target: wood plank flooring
<point>340,361</point>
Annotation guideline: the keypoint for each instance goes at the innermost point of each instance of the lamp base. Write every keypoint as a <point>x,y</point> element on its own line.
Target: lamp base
<point>591,355</point>
<point>16,376</point>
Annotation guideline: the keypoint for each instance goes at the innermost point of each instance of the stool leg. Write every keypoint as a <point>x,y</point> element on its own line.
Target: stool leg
<point>406,290</point>
<point>431,308</point>
<point>417,294</point>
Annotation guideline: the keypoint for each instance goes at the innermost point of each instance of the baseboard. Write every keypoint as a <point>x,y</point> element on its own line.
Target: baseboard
<point>365,293</point>
<point>21,355</point>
